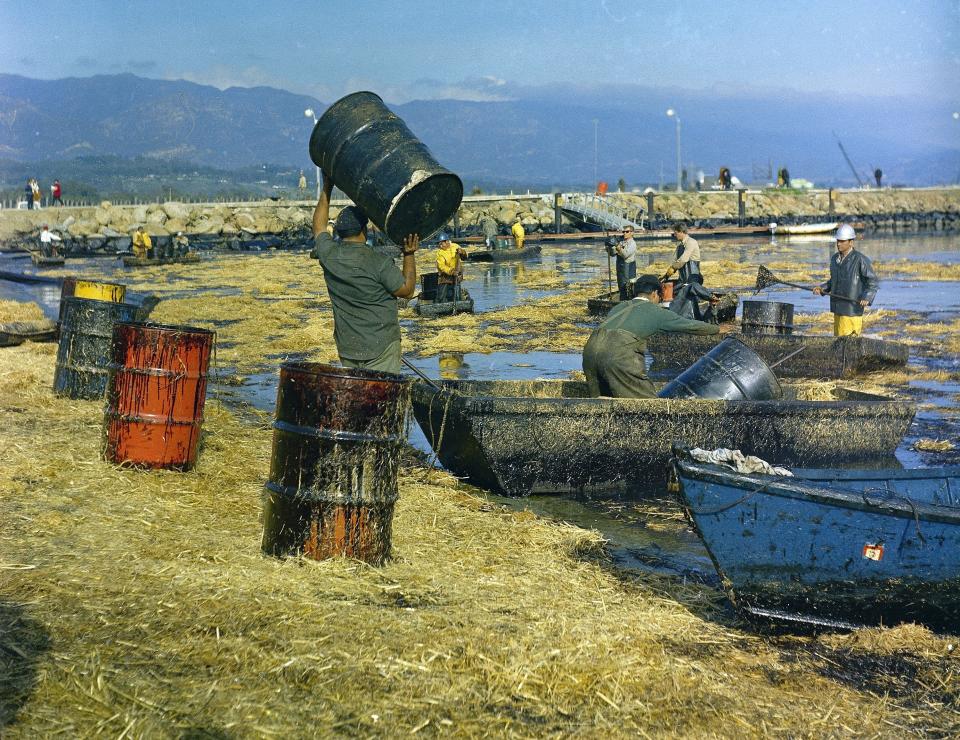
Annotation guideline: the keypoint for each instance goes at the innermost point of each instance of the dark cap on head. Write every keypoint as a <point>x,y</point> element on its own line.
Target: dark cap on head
<point>646,284</point>
<point>351,221</point>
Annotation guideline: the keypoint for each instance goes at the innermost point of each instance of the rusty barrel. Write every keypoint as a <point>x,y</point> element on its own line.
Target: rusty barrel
<point>83,355</point>
<point>666,290</point>
<point>766,317</point>
<point>731,371</point>
<point>155,394</point>
<point>377,161</point>
<point>333,474</point>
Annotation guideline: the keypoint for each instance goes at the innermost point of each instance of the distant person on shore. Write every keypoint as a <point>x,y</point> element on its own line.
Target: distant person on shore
<point>181,245</point>
<point>142,244</point>
<point>614,358</point>
<point>363,285</point>
<point>56,194</point>
<point>302,185</point>
<point>36,194</point>
<point>783,178</point>
<point>626,251</point>
<point>686,261</point>
<point>878,176</point>
<point>450,257</point>
<point>489,227</point>
<point>28,195</point>
<point>48,242</point>
<point>852,285</point>
<point>725,178</point>
<point>518,233</point>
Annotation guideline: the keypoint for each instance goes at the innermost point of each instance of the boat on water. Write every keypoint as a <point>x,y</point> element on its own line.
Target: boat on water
<point>504,255</point>
<point>43,261</point>
<point>726,309</point>
<point>131,261</point>
<point>822,356</point>
<point>17,332</point>
<point>432,309</point>
<point>549,436</point>
<point>839,548</point>
<point>826,227</point>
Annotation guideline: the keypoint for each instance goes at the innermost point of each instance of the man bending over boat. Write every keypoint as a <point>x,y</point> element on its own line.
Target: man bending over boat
<point>363,285</point>
<point>852,285</point>
<point>614,356</point>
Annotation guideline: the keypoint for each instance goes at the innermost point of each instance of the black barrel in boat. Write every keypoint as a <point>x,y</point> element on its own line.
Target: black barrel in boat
<point>767,317</point>
<point>731,371</point>
<point>375,159</point>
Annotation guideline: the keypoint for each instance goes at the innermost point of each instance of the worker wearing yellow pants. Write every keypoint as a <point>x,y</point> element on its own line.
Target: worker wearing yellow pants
<point>846,326</point>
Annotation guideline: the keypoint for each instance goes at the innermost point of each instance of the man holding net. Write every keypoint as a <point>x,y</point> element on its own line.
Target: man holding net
<point>852,285</point>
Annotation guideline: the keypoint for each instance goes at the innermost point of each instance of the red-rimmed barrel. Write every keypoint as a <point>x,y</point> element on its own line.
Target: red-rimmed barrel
<point>155,395</point>
<point>333,475</point>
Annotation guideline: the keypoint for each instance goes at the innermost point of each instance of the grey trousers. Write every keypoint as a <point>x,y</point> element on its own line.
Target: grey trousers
<point>387,361</point>
<point>614,364</point>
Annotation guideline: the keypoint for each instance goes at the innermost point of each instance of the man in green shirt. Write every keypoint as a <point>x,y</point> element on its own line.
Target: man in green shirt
<point>614,356</point>
<point>363,286</point>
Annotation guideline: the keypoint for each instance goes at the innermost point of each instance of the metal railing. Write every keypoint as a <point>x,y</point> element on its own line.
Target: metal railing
<point>603,210</point>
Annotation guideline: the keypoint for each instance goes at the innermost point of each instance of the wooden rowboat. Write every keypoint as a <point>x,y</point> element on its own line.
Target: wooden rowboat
<point>805,229</point>
<point>832,547</point>
<point>503,255</point>
<point>18,332</point>
<point>522,437</point>
<point>822,356</point>
<point>41,261</point>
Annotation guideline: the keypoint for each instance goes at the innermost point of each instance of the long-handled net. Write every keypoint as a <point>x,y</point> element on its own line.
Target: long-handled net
<point>765,279</point>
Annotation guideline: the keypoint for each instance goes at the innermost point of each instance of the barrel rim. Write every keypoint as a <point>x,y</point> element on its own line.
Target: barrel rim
<point>166,328</point>
<point>323,368</point>
<point>411,187</point>
<point>335,103</point>
<point>78,281</point>
<point>99,303</point>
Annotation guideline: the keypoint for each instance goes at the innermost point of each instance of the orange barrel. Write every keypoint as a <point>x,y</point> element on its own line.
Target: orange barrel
<point>333,474</point>
<point>155,394</point>
<point>666,290</point>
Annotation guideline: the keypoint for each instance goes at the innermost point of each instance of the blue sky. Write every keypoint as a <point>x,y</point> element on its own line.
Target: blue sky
<point>490,49</point>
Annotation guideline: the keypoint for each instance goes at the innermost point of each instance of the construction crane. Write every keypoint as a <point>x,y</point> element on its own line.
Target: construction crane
<point>844,151</point>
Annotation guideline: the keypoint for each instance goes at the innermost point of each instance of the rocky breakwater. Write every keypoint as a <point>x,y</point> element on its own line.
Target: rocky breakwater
<point>109,227</point>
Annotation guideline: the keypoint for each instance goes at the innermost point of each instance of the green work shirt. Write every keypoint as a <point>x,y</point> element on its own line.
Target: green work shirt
<point>361,284</point>
<point>642,318</point>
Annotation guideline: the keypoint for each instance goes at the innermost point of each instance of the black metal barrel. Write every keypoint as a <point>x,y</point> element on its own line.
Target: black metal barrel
<point>730,371</point>
<point>429,281</point>
<point>767,317</point>
<point>333,474</point>
<point>375,159</point>
<point>84,352</point>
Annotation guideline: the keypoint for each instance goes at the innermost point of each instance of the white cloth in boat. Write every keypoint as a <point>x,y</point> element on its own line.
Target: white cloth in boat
<point>737,460</point>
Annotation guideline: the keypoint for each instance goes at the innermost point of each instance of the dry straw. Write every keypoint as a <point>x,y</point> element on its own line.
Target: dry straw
<point>137,603</point>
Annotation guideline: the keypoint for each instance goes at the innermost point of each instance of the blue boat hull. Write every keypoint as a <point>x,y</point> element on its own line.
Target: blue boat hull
<point>841,548</point>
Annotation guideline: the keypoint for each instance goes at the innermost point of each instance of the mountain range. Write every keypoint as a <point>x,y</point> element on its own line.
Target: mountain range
<point>556,137</point>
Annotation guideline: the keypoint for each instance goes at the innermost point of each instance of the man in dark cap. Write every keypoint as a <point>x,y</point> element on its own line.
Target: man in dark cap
<point>363,286</point>
<point>614,356</point>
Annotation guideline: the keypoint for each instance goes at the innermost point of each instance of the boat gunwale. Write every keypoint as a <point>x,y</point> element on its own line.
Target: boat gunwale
<point>795,488</point>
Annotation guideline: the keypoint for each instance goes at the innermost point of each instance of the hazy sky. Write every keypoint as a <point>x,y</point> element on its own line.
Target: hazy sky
<point>488,49</point>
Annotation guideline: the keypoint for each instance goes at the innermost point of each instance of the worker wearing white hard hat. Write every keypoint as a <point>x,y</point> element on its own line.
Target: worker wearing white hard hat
<point>852,285</point>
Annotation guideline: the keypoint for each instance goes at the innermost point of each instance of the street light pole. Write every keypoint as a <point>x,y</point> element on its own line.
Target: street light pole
<point>596,122</point>
<point>310,114</point>
<point>673,114</point>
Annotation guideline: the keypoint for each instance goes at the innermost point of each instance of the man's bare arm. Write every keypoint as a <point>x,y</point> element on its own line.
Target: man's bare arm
<point>321,214</point>
<point>410,246</point>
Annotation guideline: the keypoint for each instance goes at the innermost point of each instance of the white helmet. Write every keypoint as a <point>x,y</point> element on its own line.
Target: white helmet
<point>845,233</point>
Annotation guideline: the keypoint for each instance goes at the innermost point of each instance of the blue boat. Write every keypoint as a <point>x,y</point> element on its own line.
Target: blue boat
<point>839,548</point>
